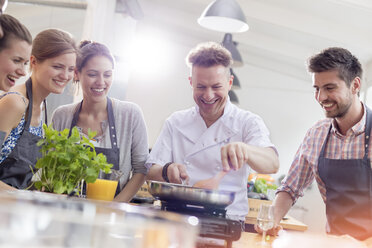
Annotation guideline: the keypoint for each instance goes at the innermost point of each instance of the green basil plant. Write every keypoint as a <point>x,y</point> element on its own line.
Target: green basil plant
<point>66,161</point>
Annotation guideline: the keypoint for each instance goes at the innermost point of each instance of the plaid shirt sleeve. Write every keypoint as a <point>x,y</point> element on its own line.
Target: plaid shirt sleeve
<point>305,165</point>
<point>302,171</point>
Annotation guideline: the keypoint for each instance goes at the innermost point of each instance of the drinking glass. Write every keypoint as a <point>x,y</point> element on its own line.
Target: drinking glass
<point>265,221</point>
<point>104,188</point>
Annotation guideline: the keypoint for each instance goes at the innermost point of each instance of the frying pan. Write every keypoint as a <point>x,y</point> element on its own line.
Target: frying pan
<point>190,195</point>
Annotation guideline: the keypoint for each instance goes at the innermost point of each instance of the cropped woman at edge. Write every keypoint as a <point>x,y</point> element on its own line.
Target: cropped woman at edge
<point>121,130</point>
<point>52,64</point>
<point>15,51</point>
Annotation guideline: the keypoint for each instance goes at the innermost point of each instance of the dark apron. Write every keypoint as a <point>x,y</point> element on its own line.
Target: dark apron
<point>349,191</point>
<point>112,154</point>
<point>15,170</point>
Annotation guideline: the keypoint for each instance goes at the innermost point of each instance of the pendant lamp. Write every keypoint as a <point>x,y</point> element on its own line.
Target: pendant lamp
<point>230,45</point>
<point>233,97</point>
<point>236,82</point>
<point>224,16</point>
<point>3,5</point>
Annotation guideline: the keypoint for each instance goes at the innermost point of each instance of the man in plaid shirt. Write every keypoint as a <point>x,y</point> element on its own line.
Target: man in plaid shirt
<point>336,151</point>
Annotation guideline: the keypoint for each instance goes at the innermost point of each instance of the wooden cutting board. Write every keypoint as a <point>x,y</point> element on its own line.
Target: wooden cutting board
<point>289,223</point>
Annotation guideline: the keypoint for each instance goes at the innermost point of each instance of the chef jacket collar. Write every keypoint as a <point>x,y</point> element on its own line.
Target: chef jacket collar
<point>199,127</point>
<point>226,111</point>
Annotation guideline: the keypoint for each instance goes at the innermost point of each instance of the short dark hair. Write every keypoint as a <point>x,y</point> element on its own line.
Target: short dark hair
<point>336,58</point>
<point>209,54</point>
<point>89,49</point>
<point>51,43</point>
<point>13,29</point>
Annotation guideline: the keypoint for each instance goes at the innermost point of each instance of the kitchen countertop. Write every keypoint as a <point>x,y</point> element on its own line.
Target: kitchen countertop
<point>292,239</point>
<point>44,216</point>
<point>250,240</point>
<point>36,219</point>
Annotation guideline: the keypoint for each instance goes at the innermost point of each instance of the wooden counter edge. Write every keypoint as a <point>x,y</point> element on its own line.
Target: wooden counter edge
<point>290,223</point>
<point>250,240</point>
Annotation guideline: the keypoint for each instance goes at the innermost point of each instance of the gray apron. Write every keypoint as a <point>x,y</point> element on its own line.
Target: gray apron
<point>348,185</point>
<point>112,154</point>
<point>15,170</point>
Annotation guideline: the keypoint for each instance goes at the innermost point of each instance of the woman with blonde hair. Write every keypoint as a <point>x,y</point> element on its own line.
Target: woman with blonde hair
<point>52,64</point>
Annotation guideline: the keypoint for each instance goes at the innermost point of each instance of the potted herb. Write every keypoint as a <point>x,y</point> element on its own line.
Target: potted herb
<point>66,161</point>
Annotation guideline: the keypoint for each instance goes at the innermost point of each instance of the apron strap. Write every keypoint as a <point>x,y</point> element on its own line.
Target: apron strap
<point>29,110</point>
<point>367,130</point>
<point>367,133</point>
<point>321,154</point>
<point>75,117</point>
<point>111,121</point>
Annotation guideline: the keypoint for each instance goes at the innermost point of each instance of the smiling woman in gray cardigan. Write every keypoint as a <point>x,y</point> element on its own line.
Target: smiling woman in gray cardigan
<point>120,127</point>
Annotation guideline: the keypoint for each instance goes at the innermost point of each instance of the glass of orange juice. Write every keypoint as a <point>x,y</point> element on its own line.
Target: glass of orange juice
<point>102,189</point>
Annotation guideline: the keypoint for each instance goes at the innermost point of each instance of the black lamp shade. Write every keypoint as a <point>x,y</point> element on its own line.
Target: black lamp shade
<point>3,5</point>
<point>230,45</point>
<point>233,97</point>
<point>130,7</point>
<point>224,16</point>
<point>236,82</point>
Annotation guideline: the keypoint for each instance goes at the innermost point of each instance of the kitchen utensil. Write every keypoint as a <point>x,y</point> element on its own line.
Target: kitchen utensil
<point>190,195</point>
<point>211,183</point>
<point>183,182</point>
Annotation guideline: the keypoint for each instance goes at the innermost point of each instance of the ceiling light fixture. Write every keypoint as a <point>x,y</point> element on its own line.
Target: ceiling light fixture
<point>230,45</point>
<point>236,82</point>
<point>129,7</point>
<point>224,16</point>
<point>233,97</point>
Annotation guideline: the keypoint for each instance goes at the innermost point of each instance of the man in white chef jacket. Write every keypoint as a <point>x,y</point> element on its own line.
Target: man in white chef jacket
<point>214,135</point>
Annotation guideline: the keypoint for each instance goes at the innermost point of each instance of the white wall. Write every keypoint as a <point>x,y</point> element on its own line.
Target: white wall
<point>161,93</point>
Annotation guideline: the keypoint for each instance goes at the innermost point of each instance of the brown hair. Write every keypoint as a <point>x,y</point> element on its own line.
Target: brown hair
<point>51,43</point>
<point>89,49</point>
<point>13,29</point>
<point>336,58</point>
<point>209,54</point>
